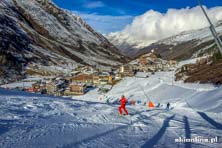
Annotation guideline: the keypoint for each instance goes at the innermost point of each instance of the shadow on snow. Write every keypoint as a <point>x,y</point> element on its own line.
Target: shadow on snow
<point>187,131</point>
<point>74,144</point>
<point>210,120</point>
<point>159,134</point>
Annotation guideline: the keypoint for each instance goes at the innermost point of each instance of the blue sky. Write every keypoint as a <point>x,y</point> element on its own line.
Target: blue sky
<point>113,15</point>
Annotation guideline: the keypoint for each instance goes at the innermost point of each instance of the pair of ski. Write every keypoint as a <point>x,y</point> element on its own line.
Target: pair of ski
<point>124,115</point>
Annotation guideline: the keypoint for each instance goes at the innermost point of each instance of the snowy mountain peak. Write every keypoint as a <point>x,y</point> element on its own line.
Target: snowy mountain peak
<point>202,35</point>
<point>173,47</point>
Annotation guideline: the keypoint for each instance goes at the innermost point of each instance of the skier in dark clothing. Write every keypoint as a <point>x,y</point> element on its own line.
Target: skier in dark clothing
<point>158,105</point>
<point>168,106</point>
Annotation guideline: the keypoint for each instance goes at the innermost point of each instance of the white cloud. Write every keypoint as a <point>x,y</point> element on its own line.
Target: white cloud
<point>95,4</point>
<point>153,26</point>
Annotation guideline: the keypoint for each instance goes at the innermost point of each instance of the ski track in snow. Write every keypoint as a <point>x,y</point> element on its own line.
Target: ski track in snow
<point>32,120</point>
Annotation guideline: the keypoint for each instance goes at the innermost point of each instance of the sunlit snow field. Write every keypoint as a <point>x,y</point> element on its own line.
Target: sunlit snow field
<point>32,120</point>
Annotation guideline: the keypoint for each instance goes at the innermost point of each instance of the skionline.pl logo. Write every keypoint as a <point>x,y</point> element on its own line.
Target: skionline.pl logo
<point>197,139</point>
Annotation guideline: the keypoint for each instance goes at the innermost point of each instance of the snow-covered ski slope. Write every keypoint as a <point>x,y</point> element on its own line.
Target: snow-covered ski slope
<point>40,121</point>
<point>35,121</point>
<point>161,88</point>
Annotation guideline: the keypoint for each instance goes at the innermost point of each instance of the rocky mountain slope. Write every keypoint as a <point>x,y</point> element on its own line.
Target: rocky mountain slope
<point>206,69</point>
<point>37,34</point>
<point>180,47</point>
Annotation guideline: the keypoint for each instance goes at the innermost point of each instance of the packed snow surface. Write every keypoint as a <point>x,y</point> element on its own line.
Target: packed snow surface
<point>32,120</point>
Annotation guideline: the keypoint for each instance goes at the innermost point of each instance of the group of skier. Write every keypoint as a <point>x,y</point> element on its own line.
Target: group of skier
<point>123,101</point>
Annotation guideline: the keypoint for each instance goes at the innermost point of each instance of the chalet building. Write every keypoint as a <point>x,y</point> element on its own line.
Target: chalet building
<point>173,62</point>
<point>127,74</point>
<point>30,89</point>
<point>38,87</point>
<point>96,79</point>
<point>152,55</point>
<point>110,79</point>
<point>158,65</point>
<point>147,68</point>
<point>126,71</point>
<point>51,88</point>
<point>118,76</point>
<point>83,78</point>
<point>186,68</point>
<point>103,80</point>
<point>161,65</point>
<point>202,61</point>
<point>145,59</point>
<point>55,87</point>
<point>76,89</point>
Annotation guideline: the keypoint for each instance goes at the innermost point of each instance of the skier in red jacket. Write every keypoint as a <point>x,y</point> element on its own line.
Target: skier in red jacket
<point>123,102</point>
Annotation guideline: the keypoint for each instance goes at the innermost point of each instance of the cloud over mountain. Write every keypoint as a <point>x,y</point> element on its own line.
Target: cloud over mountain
<point>153,26</point>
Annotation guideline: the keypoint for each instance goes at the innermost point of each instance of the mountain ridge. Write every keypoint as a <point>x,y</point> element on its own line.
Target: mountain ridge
<point>38,33</point>
<point>192,41</point>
